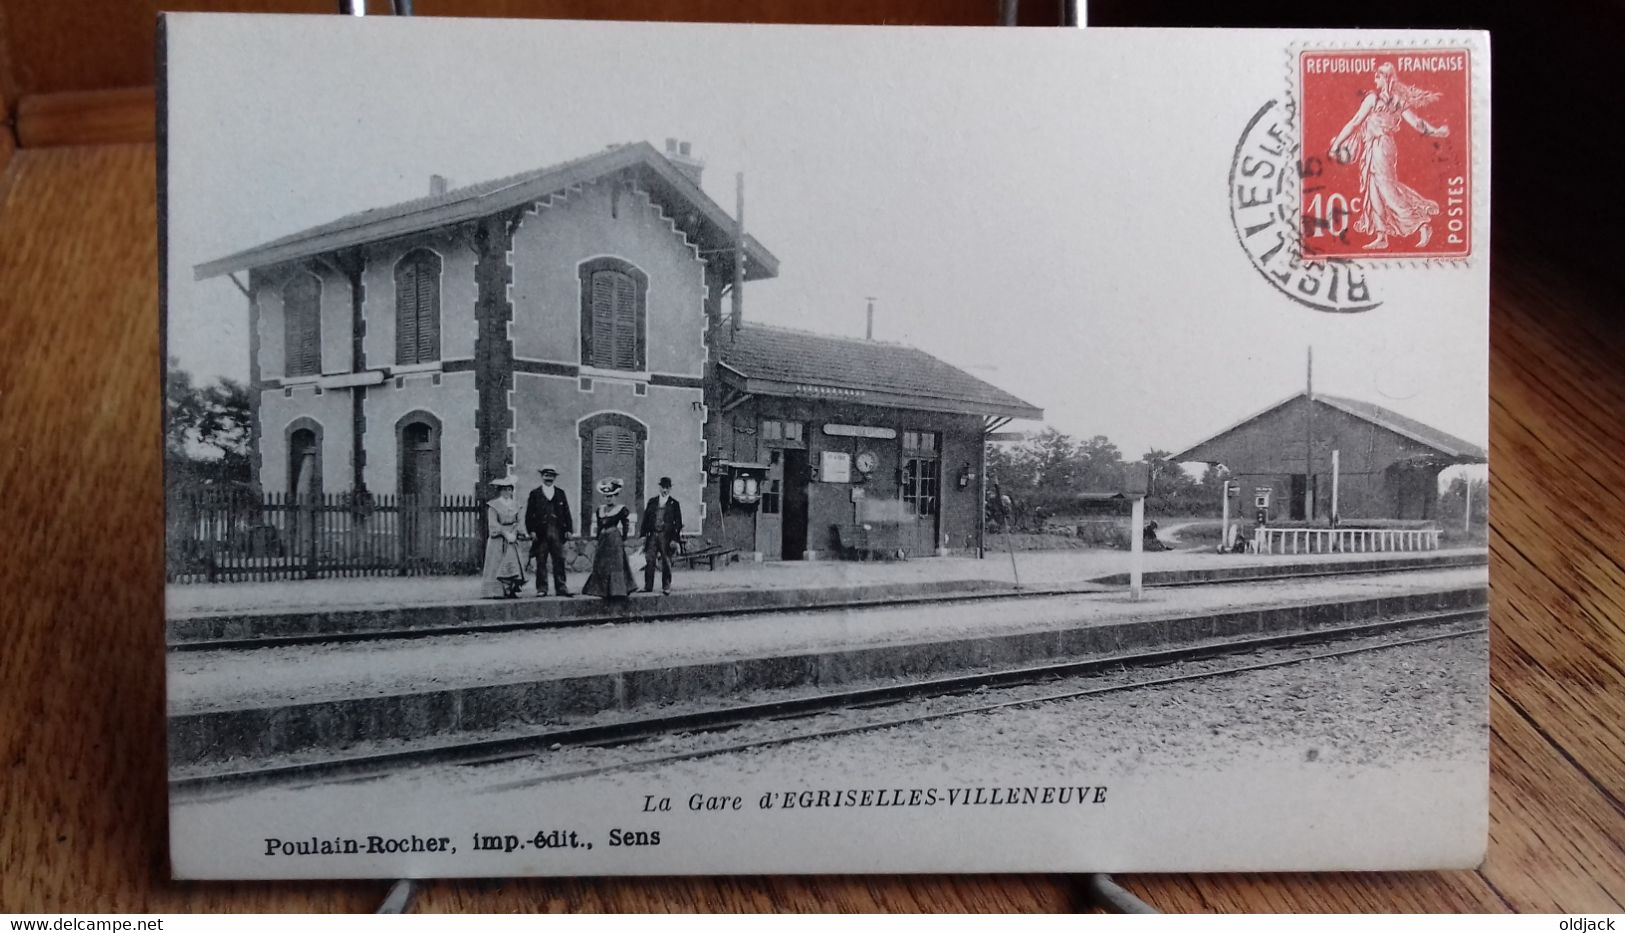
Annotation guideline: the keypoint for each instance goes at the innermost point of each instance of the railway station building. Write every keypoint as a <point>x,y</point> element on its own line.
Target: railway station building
<point>560,316</point>
<point>829,445</point>
<point>573,316</point>
<point>1388,465</point>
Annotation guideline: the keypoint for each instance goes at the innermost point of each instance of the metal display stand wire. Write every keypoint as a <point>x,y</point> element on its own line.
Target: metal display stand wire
<point>1100,889</point>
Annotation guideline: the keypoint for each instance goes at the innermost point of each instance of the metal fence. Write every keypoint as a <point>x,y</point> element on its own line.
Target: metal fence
<point>227,536</point>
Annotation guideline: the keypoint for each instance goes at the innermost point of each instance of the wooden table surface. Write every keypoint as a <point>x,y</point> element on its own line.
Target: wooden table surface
<point>83,809</point>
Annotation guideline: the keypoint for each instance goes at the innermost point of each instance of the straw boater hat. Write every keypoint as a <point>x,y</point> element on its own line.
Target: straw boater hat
<point>549,468</point>
<point>610,486</point>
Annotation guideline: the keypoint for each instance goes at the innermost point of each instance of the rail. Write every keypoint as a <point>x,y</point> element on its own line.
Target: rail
<point>610,734</point>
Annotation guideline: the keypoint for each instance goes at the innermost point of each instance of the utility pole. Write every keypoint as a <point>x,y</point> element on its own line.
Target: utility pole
<point>738,317</point>
<point>1309,439</point>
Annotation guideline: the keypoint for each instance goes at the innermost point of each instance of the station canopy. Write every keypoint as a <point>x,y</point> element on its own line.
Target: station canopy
<point>759,359</point>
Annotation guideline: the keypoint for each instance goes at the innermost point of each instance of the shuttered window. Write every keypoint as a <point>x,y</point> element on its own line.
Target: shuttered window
<point>302,325</point>
<point>615,442</point>
<point>612,445</point>
<point>612,314</point>
<point>417,308</point>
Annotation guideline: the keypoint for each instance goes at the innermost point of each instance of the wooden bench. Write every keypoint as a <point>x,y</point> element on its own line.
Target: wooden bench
<point>707,552</point>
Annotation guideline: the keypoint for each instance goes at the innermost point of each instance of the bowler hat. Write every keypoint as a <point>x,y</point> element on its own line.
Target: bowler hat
<point>665,482</point>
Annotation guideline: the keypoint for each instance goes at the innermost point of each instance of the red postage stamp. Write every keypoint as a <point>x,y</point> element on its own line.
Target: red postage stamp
<point>1386,170</point>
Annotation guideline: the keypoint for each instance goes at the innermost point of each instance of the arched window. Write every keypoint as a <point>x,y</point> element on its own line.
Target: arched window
<point>417,308</point>
<point>613,294</point>
<point>612,444</point>
<point>302,325</point>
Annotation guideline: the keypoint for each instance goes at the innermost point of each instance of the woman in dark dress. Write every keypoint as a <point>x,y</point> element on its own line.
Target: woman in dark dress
<point>611,576</point>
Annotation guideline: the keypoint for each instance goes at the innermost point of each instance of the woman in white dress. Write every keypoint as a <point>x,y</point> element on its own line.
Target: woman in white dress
<point>504,566</point>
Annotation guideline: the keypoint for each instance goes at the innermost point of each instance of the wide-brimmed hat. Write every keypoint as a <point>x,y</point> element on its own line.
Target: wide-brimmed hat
<point>502,481</point>
<point>548,468</point>
<point>610,486</point>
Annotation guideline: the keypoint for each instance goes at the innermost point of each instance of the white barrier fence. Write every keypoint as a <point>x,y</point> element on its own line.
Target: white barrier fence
<point>1343,540</point>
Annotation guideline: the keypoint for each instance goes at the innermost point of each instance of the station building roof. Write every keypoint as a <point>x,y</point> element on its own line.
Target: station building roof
<point>768,360</point>
<point>701,218</point>
<point>1448,446</point>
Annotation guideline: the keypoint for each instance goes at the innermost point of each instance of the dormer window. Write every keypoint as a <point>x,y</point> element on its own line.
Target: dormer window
<point>613,296</point>
<point>417,308</point>
<point>302,325</point>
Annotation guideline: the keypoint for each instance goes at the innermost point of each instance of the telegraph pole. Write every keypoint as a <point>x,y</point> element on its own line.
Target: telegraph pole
<point>738,316</point>
<point>1309,439</point>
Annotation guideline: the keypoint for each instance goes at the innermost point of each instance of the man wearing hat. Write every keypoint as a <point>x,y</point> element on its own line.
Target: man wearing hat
<point>548,519</point>
<point>662,524</point>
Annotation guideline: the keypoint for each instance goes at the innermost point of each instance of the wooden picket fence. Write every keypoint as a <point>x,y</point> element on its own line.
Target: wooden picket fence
<point>1305,540</point>
<point>230,536</point>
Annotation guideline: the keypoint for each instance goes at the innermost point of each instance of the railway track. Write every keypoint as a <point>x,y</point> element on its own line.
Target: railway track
<point>1408,630</point>
<point>1106,584</point>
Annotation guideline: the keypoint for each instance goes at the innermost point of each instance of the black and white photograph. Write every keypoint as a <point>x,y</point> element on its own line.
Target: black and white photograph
<point>617,448</point>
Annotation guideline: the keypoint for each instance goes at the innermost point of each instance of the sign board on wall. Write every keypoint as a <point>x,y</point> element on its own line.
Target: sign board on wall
<point>836,467</point>
<point>860,430</point>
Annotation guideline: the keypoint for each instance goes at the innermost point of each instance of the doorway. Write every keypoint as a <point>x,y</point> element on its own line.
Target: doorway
<point>794,517</point>
<point>304,486</point>
<point>921,489</point>
<point>420,488</point>
<point>1294,503</point>
<point>770,513</point>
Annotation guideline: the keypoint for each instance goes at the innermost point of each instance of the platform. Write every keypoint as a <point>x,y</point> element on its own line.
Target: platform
<point>253,704</point>
<point>304,611</point>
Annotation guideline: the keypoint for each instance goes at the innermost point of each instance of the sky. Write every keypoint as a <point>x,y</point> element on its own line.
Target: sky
<point>1046,209</point>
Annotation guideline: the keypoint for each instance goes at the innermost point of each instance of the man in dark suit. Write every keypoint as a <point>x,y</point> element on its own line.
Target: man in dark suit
<point>660,530</point>
<point>548,519</point>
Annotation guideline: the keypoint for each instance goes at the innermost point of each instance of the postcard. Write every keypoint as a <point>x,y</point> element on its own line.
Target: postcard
<point>620,448</point>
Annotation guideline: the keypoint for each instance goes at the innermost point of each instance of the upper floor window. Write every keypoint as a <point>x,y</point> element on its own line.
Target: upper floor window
<point>613,329</point>
<point>920,443</point>
<point>302,325</point>
<point>789,432</point>
<point>417,308</point>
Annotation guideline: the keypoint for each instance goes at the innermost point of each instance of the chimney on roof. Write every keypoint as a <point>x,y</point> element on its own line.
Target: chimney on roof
<point>681,155</point>
<point>438,184</point>
<point>869,327</point>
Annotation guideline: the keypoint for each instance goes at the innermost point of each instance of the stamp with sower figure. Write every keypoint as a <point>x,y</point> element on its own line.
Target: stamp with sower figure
<point>1385,169</point>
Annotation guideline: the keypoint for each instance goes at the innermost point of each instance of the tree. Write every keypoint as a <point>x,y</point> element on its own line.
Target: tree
<point>1449,510</point>
<point>1100,465</point>
<point>1173,491</point>
<point>206,431</point>
<point>1054,458</point>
